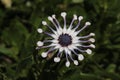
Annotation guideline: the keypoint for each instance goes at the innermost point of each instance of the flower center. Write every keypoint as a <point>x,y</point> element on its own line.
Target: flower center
<point>65,40</point>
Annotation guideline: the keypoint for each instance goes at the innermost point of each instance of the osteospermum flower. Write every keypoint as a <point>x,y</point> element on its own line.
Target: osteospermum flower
<point>66,40</point>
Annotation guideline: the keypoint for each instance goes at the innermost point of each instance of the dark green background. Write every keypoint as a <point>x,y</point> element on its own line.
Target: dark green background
<point>18,36</point>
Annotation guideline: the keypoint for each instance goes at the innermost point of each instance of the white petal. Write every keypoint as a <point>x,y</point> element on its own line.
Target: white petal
<point>67,51</point>
<point>50,18</point>
<point>53,44</point>
<point>59,31</point>
<point>87,23</point>
<point>57,46</point>
<point>75,62</point>
<point>80,57</point>
<point>39,30</point>
<point>92,40</point>
<point>63,14</point>
<point>73,33</point>
<point>72,47</point>
<point>68,31</point>
<point>53,16</point>
<point>75,45</point>
<point>57,59</point>
<point>54,41</point>
<point>44,54</point>
<point>75,17</point>
<point>64,30</point>
<point>61,49</point>
<point>67,64</point>
<point>44,22</point>
<point>92,45</point>
<point>92,34</point>
<point>39,43</point>
<point>55,32</point>
<point>54,36</point>
<point>75,40</point>
<point>88,51</point>
<point>80,18</point>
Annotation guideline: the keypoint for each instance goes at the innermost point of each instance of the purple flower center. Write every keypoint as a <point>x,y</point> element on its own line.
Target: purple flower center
<point>65,40</point>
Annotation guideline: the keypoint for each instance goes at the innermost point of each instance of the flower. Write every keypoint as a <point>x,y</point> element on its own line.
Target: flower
<point>66,40</point>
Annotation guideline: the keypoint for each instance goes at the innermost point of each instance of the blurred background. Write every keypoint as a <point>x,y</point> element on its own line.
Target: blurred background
<point>19,20</point>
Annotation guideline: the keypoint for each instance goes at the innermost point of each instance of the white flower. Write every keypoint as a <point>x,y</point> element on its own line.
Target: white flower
<point>66,40</point>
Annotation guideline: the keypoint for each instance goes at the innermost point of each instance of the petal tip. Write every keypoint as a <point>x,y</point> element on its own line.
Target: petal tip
<point>75,62</point>
<point>44,22</point>
<point>44,54</point>
<point>50,18</point>
<point>88,51</point>
<point>92,34</point>
<point>63,14</point>
<point>75,17</point>
<point>39,30</point>
<point>67,64</point>
<point>80,18</point>
<point>92,40</point>
<point>80,57</point>
<point>87,23</point>
<point>56,59</point>
<point>40,43</point>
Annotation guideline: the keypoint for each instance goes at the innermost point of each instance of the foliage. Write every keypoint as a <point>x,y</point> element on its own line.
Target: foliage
<point>18,24</point>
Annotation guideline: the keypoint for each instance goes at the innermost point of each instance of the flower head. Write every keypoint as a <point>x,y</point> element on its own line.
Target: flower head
<point>66,40</point>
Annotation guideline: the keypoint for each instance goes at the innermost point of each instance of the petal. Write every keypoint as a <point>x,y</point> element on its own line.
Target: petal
<point>54,41</point>
<point>44,54</point>
<point>40,43</point>
<point>80,57</point>
<point>57,59</point>
<point>61,49</point>
<point>75,62</point>
<point>39,30</point>
<point>67,64</point>
<point>72,47</point>
<point>59,31</point>
<point>57,46</point>
<point>54,36</point>
<point>88,51</point>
